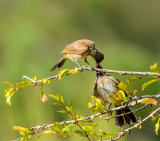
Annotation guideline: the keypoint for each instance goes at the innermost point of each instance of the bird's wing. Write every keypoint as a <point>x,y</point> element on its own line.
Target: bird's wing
<point>75,49</point>
<point>94,90</point>
<point>114,79</point>
<point>117,81</point>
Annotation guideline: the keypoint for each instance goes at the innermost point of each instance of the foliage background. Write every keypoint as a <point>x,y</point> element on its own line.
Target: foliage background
<point>33,33</point>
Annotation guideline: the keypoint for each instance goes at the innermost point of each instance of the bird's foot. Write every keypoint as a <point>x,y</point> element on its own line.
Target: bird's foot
<point>91,68</point>
<point>82,68</point>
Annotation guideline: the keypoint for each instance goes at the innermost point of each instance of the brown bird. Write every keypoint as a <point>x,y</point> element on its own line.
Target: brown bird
<point>105,88</point>
<point>79,50</point>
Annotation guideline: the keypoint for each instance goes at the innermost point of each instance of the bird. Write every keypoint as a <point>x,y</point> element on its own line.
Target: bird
<point>79,50</point>
<point>105,88</point>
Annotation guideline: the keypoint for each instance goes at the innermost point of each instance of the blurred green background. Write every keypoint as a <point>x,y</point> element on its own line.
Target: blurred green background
<point>32,35</point>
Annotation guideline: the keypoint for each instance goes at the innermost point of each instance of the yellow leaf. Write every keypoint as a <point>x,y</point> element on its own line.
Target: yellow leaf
<point>149,101</point>
<point>63,72</point>
<point>21,130</point>
<point>79,117</point>
<point>157,126</point>
<point>140,127</point>
<point>148,83</point>
<point>23,84</point>
<point>74,71</point>
<point>8,83</point>
<point>154,68</point>
<point>122,95</point>
<point>8,93</point>
<point>117,97</point>
<point>132,79</point>
<point>46,81</point>
<point>124,87</point>
<point>34,78</point>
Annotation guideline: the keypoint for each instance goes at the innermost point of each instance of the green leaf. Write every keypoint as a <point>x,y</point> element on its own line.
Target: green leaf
<point>98,106</point>
<point>149,101</point>
<point>105,135</point>
<point>26,137</point>
<point>8,91</point>
<point>153,119</point>
<point>148,83</point>
<point>56,97</point>
<point>68,108</point>
<point>57,104</point>
<point>63,112</point>
<point>58,127</point>
<point>71,104</point>
<point>91,106</point>
<point>88,129</point>
<point>45,132</point>
<point>8,94</point>
<point>23,84</point>
<point>122,95</point>
<point>132,79</point>
<point>63,72</point>
<point>154,68</point>
<point>157,126</point>
<point>97,101</point>
<point>67,128</point>
<point>79,132</point>
<point>124,87</point>
<point>8,101</point>
<point>62,99</point>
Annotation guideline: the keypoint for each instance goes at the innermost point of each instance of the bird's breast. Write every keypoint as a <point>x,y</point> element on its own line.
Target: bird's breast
<point>107,89</point>
<point>76,57</point>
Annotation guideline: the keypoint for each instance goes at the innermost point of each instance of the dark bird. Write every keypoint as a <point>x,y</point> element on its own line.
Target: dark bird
<point>79,50</point>
<point>105,88</point>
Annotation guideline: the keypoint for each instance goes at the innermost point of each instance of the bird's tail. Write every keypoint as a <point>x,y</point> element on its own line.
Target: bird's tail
<point>125,118</point>
<point>60,63</point>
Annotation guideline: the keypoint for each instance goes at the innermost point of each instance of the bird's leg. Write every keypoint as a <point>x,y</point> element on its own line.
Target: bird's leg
<point>88,64</point>
<point>79,66</point>
<point>110,113</point>
<point>109,106</point>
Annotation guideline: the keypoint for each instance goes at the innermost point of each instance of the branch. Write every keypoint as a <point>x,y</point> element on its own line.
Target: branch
<point>101,70</point>
<point>135,126</point>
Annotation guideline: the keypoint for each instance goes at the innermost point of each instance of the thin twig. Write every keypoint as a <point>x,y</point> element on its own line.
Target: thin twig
<point>133,111</point>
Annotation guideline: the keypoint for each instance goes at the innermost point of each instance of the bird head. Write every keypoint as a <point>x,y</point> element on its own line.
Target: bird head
<point>98,57</point>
